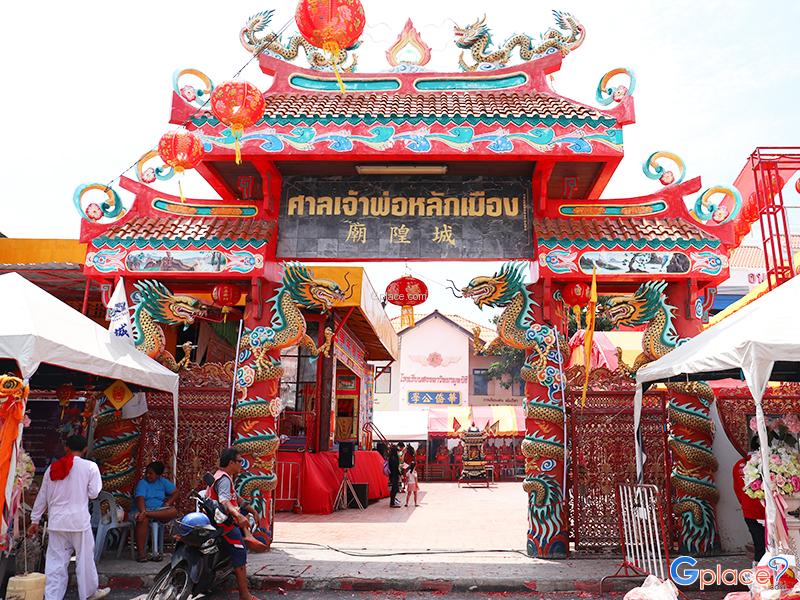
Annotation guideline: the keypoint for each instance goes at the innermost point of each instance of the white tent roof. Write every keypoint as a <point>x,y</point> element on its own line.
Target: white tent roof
<point>751,339</point>
<point>402,425</point>
<point>37,328</point>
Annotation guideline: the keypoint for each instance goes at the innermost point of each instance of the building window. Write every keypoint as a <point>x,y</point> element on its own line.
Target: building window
<point>480,382</point>
<point>383,384</point>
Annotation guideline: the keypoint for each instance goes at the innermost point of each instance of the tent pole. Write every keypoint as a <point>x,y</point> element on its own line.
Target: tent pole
<point>766,485</point>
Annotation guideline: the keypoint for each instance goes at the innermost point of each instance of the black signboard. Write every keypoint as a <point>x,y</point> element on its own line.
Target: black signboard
<point>405,217</point>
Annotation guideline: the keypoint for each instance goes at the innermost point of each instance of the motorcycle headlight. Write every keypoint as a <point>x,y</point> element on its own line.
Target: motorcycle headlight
<point>209,546</point>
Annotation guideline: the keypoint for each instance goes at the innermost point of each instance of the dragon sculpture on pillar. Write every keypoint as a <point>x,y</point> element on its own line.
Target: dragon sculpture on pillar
<point>543,447</point>
<point>156,304</point>
<point>691,428</point>
<point>271,43</point>
<point>477,39</point>
<point>260,371</point>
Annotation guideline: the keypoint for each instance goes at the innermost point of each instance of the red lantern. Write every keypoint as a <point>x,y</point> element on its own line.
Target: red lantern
<point>180,150</point>
<point>65,393</point>
<point>238,105</point>
<point>797,185</point>
<point>576,294</point>
<point>331,25</point>
<point>226,295</point>
<point>406,292</point>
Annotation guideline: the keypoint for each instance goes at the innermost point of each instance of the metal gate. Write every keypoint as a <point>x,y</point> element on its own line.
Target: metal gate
<point>602,458</point>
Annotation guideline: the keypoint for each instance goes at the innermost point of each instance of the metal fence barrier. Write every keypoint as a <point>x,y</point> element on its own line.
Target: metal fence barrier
<point>645,549</point>
<point>288,483</point>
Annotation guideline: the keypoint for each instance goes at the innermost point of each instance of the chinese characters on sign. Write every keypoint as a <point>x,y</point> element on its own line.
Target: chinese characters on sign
<point>377,217</point>
<point>441,398</point>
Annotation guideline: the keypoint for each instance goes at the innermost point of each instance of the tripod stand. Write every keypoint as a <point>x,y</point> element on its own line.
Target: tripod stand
<point>344,488</point>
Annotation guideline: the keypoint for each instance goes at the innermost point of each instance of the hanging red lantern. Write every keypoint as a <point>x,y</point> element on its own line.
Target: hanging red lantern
<point>407,292</point>
<point>237,104</point>
<point>180,150</point>
<point>226,295</point>
<point>331,25</point>
<point>797,185</point>
<point>576,294</point>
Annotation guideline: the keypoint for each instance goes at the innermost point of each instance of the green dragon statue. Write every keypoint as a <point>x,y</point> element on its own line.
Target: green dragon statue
<point>156,305</point>
<point>691,428</point>
<point>543,446</point>
<point>271,43</point>
<point>299,289</point>
<point>477,39</point>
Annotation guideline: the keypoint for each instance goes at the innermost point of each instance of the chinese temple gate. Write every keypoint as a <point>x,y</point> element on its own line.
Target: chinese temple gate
<point>486,163</point>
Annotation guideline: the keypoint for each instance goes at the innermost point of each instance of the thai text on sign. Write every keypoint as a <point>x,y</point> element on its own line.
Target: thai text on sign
<point>474,205</point>
<point>438,218</point>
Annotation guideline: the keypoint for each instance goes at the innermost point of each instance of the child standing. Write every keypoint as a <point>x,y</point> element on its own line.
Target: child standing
<point>412,485</point>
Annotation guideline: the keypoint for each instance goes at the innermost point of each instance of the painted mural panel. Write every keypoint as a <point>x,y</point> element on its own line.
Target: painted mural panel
<point>405,217</point>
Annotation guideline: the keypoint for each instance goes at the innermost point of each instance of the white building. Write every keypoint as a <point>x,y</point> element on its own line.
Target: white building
<point>437,368</point>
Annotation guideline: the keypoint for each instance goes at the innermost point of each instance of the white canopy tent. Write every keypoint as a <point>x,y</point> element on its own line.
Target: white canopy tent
<point>37,328</point>
<point>402,425</point>
<point>759,343</point>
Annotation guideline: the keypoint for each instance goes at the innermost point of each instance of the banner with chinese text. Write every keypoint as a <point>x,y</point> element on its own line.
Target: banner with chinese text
<point>404,217</point>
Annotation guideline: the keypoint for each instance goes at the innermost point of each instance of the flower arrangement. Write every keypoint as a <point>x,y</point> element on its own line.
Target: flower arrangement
<point>784,472</point>
<point>784,459</point>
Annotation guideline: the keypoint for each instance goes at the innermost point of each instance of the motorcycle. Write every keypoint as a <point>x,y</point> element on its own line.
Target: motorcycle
<point>199,564</point>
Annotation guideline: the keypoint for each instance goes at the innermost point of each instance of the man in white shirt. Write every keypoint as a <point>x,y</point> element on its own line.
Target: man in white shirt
<point>68,485</point>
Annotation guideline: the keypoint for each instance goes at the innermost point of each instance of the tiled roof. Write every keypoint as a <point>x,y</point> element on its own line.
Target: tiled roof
<point>487,333</point>
<point>517,106</point>
<point>194,231</point>
<point>625,232</point>
<point>752,257</point>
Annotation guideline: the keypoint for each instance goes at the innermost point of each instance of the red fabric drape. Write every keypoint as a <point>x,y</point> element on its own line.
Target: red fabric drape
<point>321,478</point>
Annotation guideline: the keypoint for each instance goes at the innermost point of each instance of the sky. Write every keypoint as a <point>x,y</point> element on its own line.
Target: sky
<point>88,88</point>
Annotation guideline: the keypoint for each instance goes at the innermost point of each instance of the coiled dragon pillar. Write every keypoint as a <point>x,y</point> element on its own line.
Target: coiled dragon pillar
<point>691,429</point>
<point>277,324</point>
<point>545,440</point>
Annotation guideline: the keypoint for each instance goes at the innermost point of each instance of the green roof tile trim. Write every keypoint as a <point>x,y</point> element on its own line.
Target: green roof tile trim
<point>417,119</point>
<point>625,243</point>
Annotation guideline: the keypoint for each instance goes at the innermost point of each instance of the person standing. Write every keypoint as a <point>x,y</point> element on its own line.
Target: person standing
<point>412,484</point>
<point>68,486</point>
<point>236,534</point>
<point>394,475</point>
<point>752,509</point>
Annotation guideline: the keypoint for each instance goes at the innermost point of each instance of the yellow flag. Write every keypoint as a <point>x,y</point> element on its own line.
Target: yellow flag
<point>587,339</point>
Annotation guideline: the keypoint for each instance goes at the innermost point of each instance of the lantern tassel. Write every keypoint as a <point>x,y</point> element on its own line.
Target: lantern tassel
<point>180,189</point>
<point>237,134</point>
<point>333,49</point>
<point>576,310</point>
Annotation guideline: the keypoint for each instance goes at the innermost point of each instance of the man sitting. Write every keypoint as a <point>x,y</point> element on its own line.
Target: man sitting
<point>154,499</point>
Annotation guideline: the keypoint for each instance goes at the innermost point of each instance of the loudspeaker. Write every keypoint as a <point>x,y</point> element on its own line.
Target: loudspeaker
<point>347,455</point>
<point>362,492</point>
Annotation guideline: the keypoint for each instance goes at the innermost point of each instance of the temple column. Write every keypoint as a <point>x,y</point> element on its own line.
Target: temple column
<point>691,439</point>
<point>255,415</point>
<point>544,443</point>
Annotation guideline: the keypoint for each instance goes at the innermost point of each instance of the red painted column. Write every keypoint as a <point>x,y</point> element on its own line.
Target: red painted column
<point>545,441</point>
<point>255,427</point>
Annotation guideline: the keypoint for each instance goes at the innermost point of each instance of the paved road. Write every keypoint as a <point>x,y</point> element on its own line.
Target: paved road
<point>328,595</point>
